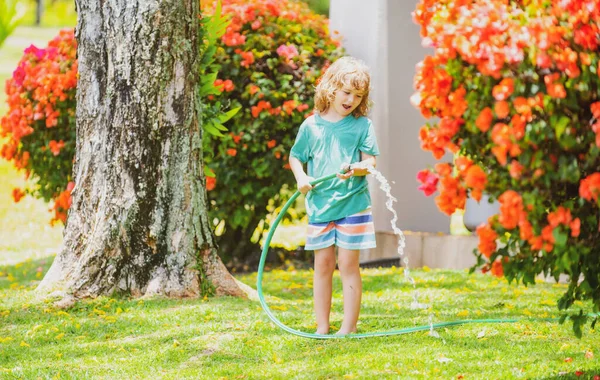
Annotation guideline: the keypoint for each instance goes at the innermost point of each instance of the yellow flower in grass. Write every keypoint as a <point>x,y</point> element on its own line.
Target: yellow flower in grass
<point>463,313</point>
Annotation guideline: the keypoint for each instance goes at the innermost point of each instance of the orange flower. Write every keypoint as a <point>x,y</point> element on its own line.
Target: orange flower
<point>62,203</point>
<point>487,240</point>
<point>17,194</point>
<point>452,196</point>
<point>525,228</point>
<point>497,269</point>
<point>522,106</point>
<point>536,243</point>
<point>289,106</point>
<point>247,58</point>
<point>211,183</point>
<point>575,226</point>
<point>511,209</point>
<point>232,152</point>
<point>504,89</point>
<point>463,164</point>
<point>55,147</point>
<point>502,109</point>
<point>554,89</point>
<point>562,215</point>
<point>484,120</point>
<point>515,169</point>
<point>548,234</point>
<point>271,144</point>
<point>253,89</point>
<point>236,138</point>
<point>476,179</point>
<point>589,187</point>
<point>443,169</point>
<point>457,104</point>
<point>302,107</point>
<point>228,85</point>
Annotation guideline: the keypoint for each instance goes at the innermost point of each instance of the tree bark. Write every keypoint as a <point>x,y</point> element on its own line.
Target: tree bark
<point>138,221</point>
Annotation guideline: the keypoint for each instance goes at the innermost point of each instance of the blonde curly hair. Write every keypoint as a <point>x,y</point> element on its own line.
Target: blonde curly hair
<point>346,71</point>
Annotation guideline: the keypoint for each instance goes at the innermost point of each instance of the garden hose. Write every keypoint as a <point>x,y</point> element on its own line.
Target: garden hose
<point>266,308</point>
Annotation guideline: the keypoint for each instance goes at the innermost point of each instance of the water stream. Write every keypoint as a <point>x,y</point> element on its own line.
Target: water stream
<point>387,189</point>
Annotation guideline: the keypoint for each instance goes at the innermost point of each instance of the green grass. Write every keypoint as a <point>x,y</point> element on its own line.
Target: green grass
<point>121,338</point>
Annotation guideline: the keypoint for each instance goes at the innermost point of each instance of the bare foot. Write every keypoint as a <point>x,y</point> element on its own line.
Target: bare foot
<point>344,332</point>
<point>322,331</point>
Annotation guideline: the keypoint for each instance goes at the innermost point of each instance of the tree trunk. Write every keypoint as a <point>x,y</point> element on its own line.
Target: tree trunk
<point>39,10</point>
<point>138,221</point>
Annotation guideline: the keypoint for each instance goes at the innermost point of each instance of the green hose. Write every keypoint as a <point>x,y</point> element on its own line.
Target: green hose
<point>266,308</point>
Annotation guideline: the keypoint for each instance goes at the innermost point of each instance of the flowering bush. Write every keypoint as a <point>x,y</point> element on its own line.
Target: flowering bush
<point>270,57</point>
<point>40,123</point>
<point>514,85</point>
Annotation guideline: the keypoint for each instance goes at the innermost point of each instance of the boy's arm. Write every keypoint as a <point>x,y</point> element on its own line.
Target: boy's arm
<point>302,180</point>
<point>359,169</point>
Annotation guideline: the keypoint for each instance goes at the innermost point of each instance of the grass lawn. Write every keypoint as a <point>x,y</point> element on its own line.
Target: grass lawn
<point>230,338</point>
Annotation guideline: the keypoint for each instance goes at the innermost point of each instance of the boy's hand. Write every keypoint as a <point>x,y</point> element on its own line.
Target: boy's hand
<point>349,172</point>
<point>304,185</point>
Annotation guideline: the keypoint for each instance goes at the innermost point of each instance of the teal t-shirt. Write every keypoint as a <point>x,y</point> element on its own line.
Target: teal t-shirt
<point>324,146</point>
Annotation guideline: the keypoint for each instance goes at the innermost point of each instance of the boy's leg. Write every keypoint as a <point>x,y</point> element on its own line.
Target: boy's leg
<point>348,264</point>
<point>322,286</point>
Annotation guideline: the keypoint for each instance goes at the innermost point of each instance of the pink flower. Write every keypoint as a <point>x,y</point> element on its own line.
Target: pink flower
<point>287,51</point>
<point>39,53</point>
<point>429,182</point>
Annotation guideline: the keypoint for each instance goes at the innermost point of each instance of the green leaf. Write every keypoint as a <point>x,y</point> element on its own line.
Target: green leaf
<point>219,126</point>
<point>229,114</point>
<point>209,172</point>
<point>560,237</point>
<point>210,128</point>
<point>561,126</point>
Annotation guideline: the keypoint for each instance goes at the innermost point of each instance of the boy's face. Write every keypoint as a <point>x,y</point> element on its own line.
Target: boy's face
<point>346,100</point>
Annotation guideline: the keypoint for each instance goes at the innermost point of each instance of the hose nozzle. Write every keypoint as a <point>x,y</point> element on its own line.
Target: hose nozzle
<point>346,168</point>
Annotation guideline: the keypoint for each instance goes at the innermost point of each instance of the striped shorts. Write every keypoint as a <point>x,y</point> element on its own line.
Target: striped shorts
<point>352,232</point>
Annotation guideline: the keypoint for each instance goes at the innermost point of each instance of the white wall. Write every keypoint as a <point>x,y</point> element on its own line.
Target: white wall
<point>383,35</point>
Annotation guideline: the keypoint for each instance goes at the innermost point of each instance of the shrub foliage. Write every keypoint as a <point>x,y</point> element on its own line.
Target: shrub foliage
<point>513,86</point>
<point>269,58</point>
